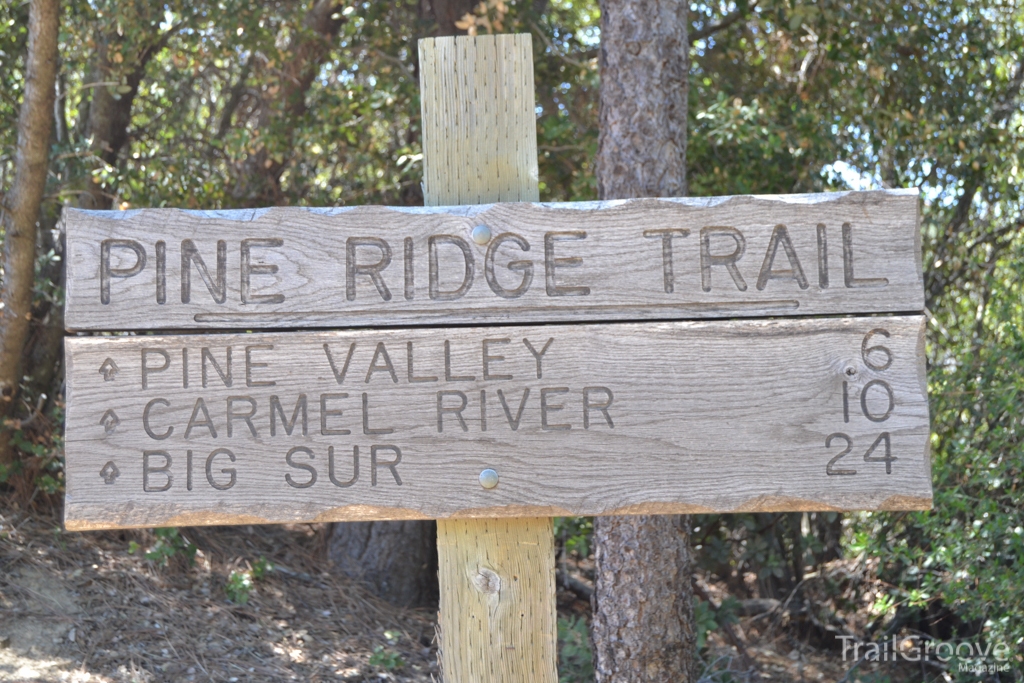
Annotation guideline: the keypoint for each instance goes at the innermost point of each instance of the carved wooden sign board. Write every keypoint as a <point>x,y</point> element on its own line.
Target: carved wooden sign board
<point>644,356</point>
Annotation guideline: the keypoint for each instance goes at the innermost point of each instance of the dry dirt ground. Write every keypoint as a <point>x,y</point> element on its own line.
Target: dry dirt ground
<point>78,607</point>
<point>81,607</point>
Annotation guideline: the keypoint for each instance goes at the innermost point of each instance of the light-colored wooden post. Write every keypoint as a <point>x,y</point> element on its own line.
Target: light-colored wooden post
<point>497,576</point>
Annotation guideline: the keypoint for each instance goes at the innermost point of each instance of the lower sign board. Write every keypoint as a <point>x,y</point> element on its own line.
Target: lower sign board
<point>671,417</point>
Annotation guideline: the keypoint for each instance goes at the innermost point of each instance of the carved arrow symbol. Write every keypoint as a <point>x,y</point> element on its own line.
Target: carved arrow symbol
<point>110,420</point>
<point>110,472</point>
<point>109,369</point>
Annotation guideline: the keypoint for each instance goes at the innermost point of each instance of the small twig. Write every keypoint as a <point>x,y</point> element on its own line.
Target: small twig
<point>578,587</point>
<point>299,575</point>
<point>98,84</point>
<point>39,409</point>
<point>781,608</point>
<point>725,23</point>
<point>379,54</point>
<point>559,148</point>
<point>558,53</point>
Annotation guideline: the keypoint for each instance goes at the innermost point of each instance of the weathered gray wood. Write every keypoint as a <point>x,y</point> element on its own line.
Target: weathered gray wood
<point>712,416</point>
<point>639,259</point>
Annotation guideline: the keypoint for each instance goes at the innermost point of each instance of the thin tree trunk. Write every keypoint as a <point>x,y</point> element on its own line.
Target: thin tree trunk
<point>259,178</point>
<point>45,345</point>
<point>644,90</point>
<point>110,112</point>
<point>643,627</point>
<point>828,528</point>
<point>445,13</point>
<point>35,122</point>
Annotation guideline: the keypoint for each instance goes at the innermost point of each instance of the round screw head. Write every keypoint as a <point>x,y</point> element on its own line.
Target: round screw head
<point>481,234</point>
<point>488,478</point>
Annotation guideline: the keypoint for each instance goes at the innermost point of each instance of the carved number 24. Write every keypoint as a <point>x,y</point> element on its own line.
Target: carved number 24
<point>869,456</point>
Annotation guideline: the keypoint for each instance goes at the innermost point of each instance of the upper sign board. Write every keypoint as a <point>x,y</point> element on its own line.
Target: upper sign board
<point>835,253</point>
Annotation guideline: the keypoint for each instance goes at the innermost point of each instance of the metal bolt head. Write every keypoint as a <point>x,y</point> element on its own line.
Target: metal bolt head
<point>481,234</point>
<point>488,478</point>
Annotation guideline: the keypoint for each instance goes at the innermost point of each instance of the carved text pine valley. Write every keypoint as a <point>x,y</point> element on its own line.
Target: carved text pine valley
<point>641,259</point>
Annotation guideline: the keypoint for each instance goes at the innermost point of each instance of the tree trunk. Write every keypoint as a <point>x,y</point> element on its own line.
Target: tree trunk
<point>280,108</point>
<point>397,560</point>
<point>828,528</point>
<point>641,145</point>
<point>35,122</point>
<point>110,111</point>
<point>444,14</point>
<point>643,627</point>
<point>45,345</point>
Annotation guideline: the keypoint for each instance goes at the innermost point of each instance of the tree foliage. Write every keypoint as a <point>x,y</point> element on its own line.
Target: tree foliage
<point>924,95</point>
<point>222,103</point>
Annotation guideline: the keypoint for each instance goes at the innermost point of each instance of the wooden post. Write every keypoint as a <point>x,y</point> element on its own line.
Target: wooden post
<point>497,576</point>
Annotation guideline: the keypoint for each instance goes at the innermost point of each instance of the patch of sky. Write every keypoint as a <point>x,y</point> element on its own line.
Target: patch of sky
<point>853,178</point>
<point>856,179</point>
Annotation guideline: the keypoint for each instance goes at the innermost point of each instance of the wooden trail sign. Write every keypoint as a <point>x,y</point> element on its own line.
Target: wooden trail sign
<point>680,417</point>
<point>670,398</point>
<point>621,260</point>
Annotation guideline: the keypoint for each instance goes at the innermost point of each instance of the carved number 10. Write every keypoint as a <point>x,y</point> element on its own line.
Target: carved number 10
<point>884,437</point>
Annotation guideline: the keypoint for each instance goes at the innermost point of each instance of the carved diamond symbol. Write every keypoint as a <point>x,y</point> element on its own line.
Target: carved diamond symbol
<point>109,369</point>
<point>110,472</point>
<point>110,420</point>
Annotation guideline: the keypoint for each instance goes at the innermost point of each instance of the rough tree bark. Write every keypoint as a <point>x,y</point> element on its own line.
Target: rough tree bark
<point>22,203</point>
<point>644,88</point>
<point>643,628</point>
<point>397,560</point>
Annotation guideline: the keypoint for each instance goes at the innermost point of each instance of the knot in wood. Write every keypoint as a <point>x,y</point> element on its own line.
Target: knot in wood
<point>487,581</point>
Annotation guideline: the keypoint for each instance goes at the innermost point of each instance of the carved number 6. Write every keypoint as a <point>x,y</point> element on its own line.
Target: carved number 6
<point>865,350</point>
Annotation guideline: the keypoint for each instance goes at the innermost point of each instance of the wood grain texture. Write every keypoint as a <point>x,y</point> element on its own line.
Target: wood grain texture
<point>715,416</point>
<point>479,125</point>
<point>348,267</point>
<point>497,611</point>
